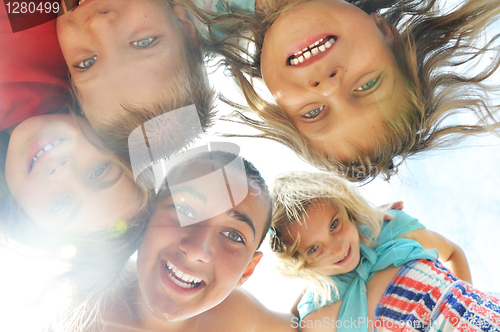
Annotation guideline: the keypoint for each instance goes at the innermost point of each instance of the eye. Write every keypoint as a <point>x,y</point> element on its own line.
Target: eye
<point>87,63</point>
<point>369,85</point>
<point>99,171</point>
<point>60,204</point>
<point>185,210</point>
<point>143,43</point>
<point>312,250</point>
<point>334,225</point>
<point>314,113</point>
<point>234,236</point>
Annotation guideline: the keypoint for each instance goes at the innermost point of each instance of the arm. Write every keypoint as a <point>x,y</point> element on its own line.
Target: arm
<point>450,254</point>
<point>322,320</point>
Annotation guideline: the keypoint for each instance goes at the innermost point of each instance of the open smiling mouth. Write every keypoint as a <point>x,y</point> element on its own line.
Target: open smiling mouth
<point>43,150</point>
<point>180,278</point>
<point>312,50</point>
<point>346,255</point>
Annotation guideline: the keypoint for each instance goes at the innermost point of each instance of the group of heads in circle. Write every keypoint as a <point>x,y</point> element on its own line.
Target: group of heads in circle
<point>355,87</point>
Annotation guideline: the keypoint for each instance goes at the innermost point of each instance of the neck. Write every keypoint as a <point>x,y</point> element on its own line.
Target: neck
<point>136,316</point>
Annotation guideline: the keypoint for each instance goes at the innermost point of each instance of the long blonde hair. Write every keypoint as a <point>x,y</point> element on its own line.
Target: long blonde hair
<point>431,46</point>
<point>292,194</point>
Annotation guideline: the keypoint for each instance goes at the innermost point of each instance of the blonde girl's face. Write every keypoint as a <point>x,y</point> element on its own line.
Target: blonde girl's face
<point>330,67</point>
<point>62,180</point>
<point>326,238</point>
<point>121,52</point>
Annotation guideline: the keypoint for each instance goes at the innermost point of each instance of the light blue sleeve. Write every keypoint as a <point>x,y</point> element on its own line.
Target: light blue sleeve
<point>220,7</point>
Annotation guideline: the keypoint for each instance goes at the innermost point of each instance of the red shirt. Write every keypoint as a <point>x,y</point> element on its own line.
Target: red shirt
<point>33,74</point>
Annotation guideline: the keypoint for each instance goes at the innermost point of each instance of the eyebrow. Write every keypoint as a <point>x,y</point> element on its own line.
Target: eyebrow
<point>242,217</point>
<point>193,192</point>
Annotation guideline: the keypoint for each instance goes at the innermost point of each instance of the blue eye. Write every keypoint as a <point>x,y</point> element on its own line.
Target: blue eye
<point>87,63</point>
<point>312,250</point>
<point>60,204</point>
<point>334,224</point>
<point>185,210</point>
<point>369,85</point>
<point>314,113</point>
<point>144,43</point>
<point>233,236</point>
<point>99,171</point>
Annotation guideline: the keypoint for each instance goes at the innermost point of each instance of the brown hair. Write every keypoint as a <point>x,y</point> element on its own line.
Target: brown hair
<point>431,46</point>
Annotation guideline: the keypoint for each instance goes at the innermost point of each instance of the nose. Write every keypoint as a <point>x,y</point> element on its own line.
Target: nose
<point>326,82</point>
<point>59,169</point>
<point>196,243</point>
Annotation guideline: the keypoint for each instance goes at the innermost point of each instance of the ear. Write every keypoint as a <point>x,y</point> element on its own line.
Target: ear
<point>387,29</point>
<point>188,26</point>
<point>250,267</point>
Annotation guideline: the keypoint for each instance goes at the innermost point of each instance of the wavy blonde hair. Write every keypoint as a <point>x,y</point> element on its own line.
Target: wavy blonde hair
<point>292,194</point>
<point>431,46</point>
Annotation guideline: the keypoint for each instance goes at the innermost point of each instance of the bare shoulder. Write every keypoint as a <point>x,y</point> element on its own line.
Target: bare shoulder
<point>241,311</point>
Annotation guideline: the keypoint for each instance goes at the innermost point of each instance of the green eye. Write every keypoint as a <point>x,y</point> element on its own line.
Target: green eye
<point>185,211</point>
<point>314,113</point>
<point>87,63</point>
<point>369,85</point>
<point>312,250</point>
<point>60,204</point>
<point>143,43</point>
<point>99,171</point>
<point>334,224</point>
<point>233,236</point>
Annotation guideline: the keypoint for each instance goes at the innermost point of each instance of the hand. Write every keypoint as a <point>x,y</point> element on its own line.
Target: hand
<point>394,206</point>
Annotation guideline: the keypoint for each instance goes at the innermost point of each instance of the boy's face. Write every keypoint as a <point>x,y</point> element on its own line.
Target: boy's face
<point>184,271</point>
<point>62,181</point>
<point>120,52</point>
<point>339,93</point>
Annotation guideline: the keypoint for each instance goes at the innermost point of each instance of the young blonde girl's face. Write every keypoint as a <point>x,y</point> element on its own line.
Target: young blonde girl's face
<point>121,52</point>
<point>62,181</point>
<point>326,238</point>
<point>331,69</point>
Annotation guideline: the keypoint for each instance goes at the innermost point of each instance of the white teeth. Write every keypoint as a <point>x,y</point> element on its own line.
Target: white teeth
<point>190,281</point>
<point>311,51</point>
<point>45,149</point>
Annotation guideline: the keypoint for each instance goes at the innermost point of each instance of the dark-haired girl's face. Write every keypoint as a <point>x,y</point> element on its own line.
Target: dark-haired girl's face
<point>62,180</point>
<point>332,71</point>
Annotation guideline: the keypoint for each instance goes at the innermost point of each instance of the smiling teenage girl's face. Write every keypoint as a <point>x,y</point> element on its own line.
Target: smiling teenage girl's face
<point>331,69</point>
<point>62,181</point>
<point>121,52</point>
